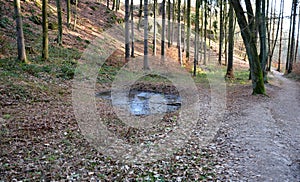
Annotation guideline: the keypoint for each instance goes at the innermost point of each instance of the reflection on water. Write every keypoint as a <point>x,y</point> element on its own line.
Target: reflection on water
<point>147,103</point>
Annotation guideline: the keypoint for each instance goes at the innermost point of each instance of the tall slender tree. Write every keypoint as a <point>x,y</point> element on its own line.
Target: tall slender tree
<point>45,52</point>
<point>229,73</point>
<point>169,23</point>
<point>221,32</point>
<point>163,29</point>
<point>274,36</point>
<point>127,44</point>
<point>75,15</point>
<point>140,14</point>
<point>154,27</point>
<point>59,22</point>
<point>196,37</point>
<point>20,35</point>
<point>188,35</point>
<point>69,12</point>
<point>205,31</point>
<point>179,32</point>
<point>146,64</point>
<point>297,41</point>
<point>132,29</point>
<point>280,41</point>
<point>292,50</point>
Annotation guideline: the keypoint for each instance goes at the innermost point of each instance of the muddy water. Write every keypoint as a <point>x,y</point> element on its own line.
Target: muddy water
<point>147,103</point>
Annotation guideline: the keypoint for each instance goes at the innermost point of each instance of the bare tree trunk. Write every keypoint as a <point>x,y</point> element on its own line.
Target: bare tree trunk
<point>229,73</point>
<point>154,27</point>
<point>69,12</point>
<point>163,29</point>
<point>127,35</point>
<point>140,14</point>
<point>146,65</point>
<point>59,22</point>
<point>75,14</point>
<point>250,44</point>
<point>292,51</point>
<point>289,43</point>
<point>205,30</point>
<point>196,37</point>
<point>173,22</point>
<point>20,34</point>
<point>45,54</point>
<point>221,32</point>
<point>280,42</point>
<point>169,23</point>
<point>132,29</point>
<point>107,3</point>
<point>188,29</point>
<point>179,33</point>
<point>297,41</point>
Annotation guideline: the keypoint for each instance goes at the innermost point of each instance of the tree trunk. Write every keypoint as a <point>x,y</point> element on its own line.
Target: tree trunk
<point>289,43</point>
<point>169,23</point>
<point>163,29</point>
<point>229,73</point>
<point>59,22</point>
<point>297,41</point>
<point>154,27</point>
<point>69,12</point>
<point>292,51</point>
<point>196,36</point>
<point>173,22</point>
<point>179,33</point>
<point>280,41</point>
<point>146,65</point>
<point>132,29</point>
<point>20,34</point>
<point>107,3</point>
<point>188,35</point>
<point>261,25</point>
<point>127,35</point>
<point>221,32</point>
<point>75,14</point>
<point>45,54</point>
<point>250,44</point>
<point>140,14</point>
<point>205,30</point>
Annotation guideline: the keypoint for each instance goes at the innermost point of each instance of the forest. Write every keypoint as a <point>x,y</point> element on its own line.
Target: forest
<point>148,90</point>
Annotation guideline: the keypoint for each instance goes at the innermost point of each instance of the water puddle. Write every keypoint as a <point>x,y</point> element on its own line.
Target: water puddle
<point>147,102</point>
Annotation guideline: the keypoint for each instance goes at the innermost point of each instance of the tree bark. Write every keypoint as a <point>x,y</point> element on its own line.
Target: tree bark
<point>132,29</point>
<point>280,41</point>
<point>45,52</point>
<point>179,33</point>
<point>292,51</point>
<point>146,65</point>
<point>169,23</point>
<point>250,44</point>
<point>229,73</point>
<point>196,37</point>
<point>297,41</point>
<point>20,35</point>
<point>221,32</point>
<point>59,22</point>
<point>69,12</point>
<point>154,27</point>
<point>163,29</point>
<point>127,35</point>
<point>188,35</point>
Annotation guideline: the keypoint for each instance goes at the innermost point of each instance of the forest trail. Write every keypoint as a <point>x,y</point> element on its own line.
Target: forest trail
<point>263,142</point>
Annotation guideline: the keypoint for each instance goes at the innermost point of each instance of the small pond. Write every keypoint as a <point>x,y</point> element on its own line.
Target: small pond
<point>147,102</point>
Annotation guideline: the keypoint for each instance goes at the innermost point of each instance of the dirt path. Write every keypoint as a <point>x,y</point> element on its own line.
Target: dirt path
<point>262,143</point>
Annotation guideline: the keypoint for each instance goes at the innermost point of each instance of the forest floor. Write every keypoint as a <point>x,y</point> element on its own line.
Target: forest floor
<point>257,140</point>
